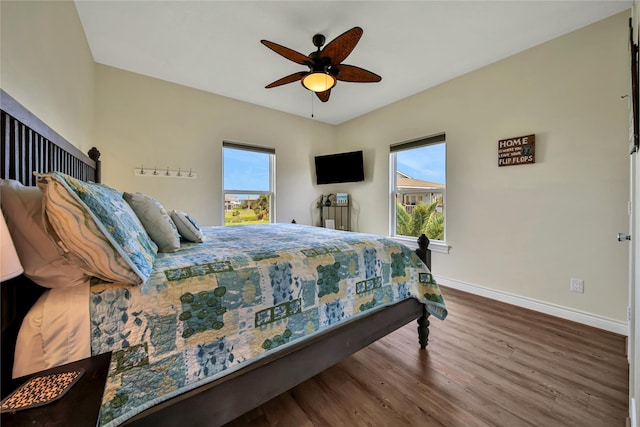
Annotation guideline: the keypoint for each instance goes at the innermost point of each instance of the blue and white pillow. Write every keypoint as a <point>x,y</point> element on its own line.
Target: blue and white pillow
<point>187,226</point>
<point>96,229</point>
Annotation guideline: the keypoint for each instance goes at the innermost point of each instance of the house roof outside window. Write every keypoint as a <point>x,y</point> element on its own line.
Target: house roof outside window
<point>405,182</point>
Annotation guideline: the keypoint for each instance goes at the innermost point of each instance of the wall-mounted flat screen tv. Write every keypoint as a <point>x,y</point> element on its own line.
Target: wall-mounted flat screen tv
<point>341,167</point>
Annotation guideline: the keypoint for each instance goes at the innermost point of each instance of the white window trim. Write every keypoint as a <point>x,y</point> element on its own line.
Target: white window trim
<point>272,178</point>
<point>412,242</point>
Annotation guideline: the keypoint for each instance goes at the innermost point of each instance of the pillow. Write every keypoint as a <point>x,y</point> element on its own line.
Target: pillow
<point>39,256</point>
<point>187,227</point>
<point>57,330</point>
<point>155,220</point>
<point>96,229</point>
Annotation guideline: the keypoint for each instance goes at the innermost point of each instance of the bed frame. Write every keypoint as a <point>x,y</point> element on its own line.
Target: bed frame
<point>28,145</point>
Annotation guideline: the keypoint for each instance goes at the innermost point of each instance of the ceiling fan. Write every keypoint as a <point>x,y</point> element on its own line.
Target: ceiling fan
<point>325,65</point>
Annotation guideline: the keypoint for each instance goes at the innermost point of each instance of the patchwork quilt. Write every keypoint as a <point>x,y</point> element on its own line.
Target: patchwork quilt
<point>213,307</point>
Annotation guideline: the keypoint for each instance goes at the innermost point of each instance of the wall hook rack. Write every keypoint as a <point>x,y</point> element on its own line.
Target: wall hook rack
<point>167,173</point>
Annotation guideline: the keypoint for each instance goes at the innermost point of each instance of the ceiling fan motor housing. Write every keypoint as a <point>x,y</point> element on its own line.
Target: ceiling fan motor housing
<point>319,64</point>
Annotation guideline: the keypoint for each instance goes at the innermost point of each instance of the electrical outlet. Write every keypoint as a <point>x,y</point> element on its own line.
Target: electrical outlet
<point>577,285</point>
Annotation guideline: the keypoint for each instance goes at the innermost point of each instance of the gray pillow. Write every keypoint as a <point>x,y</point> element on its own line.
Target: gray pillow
<point>39,256</point>
<point>187,227</point>
<point>156,221</point>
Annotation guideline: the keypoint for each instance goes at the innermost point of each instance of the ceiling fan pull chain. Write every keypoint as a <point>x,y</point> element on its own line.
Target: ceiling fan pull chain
<point>312,93</point>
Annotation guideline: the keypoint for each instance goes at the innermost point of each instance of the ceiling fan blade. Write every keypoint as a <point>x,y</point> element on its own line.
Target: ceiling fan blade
<point>290,54</point>
<point>295,77</point>
<point>324,96</point>
<point>351,73</point>
<point>340,47</point>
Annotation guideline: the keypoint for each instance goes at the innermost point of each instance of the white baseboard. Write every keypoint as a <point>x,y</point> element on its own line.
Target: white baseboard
<point>583,317</point>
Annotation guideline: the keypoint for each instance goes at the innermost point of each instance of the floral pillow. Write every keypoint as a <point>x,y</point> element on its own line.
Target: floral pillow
<point>96,229</point>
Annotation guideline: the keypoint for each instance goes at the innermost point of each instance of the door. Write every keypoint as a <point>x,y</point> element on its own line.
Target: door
<point>633,349</point>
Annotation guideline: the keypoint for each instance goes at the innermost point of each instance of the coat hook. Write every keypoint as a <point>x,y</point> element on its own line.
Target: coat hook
<point>155,171</point>
<point>179,174</point>
<point>141,169</point>
<point>190,175</point>
<point>167,173</point>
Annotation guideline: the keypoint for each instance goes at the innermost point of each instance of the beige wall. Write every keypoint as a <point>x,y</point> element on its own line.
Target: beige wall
<point>527,229</point>
<point>47,66</point>
<point>145,121</point>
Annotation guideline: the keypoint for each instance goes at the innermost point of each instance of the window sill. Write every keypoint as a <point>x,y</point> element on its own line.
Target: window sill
<point>411,242</point>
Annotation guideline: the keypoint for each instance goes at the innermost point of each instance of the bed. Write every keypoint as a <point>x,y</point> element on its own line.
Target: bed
<point>245,325</point>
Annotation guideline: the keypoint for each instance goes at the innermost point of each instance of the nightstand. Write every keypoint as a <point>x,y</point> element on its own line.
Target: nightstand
<point>80,406</point>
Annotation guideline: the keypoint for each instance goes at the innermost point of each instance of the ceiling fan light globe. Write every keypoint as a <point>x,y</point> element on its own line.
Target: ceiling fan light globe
<point>318,81</point>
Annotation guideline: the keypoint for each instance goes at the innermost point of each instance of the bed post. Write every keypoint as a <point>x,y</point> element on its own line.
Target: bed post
<point>94,155</point>
<point>423,328</point>
<point>423,251</point>
<point>424,254</point>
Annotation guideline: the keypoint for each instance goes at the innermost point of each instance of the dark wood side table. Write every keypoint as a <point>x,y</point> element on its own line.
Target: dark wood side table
<point>80,406</point>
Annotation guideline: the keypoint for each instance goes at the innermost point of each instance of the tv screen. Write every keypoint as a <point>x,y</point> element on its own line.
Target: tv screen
<point>342,167</point>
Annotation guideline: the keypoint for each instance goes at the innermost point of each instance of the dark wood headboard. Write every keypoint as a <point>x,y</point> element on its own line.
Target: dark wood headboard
<point>28,145</point>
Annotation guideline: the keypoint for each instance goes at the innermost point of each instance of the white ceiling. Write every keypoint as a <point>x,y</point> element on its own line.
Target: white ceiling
<point>414,45</point>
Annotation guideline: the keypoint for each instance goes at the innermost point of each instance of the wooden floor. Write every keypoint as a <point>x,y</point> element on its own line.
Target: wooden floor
<point>487,364</point>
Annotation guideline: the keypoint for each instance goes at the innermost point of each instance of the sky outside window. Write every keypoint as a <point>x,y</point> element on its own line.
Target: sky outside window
<point>245,170</point>
<point>425,163</point>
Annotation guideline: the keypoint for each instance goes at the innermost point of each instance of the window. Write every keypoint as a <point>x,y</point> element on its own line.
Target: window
<point>418,184</point>
<point>248,184</point>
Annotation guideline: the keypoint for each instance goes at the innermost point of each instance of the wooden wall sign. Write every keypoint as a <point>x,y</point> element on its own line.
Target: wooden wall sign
<point>517,151</point>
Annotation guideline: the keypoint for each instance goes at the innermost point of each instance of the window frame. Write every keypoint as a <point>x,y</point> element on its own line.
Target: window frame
<point>434,245</point>
<point>272,177</point>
